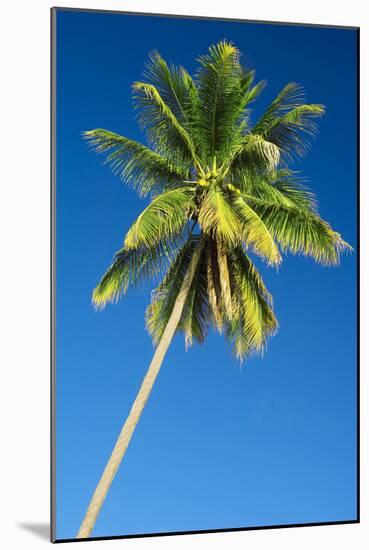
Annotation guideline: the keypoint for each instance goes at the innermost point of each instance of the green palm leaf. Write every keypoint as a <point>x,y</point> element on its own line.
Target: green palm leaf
<point>218,219</point>
<point>195,319</point>
<point>252,156</point>
<point>166,134</point>
<point>137,165</point>
<point>241,115</point>
<point>213,284</point>
<point>255,233</point>
<point>164,218</point>
<point>290,97</point>
<point>164,297</point>
<point>283,187</point>
<point>174,85</point>
<point>128,269</point>
<point>255,323</point>
<point>224,282</point>
<point>288,122</point>
<point>220,95</point>
<point>300,231</point>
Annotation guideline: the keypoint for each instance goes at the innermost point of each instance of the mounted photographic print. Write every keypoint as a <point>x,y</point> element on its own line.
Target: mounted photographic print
<point>204,275</point>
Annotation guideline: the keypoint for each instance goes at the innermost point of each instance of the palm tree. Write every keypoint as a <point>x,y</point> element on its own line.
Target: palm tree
<point>221,191</point>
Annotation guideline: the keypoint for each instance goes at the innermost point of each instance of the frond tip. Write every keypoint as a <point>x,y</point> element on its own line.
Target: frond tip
<point>255,321</point>
<point>128,269</point>
<point>301,232</point>
<point>111,285</point>
<point>138,166</point>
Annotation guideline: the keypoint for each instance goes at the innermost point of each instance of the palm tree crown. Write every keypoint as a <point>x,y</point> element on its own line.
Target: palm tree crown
<point>219,184</point>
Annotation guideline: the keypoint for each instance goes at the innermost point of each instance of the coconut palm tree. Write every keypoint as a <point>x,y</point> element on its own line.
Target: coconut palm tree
<point>221,191</point>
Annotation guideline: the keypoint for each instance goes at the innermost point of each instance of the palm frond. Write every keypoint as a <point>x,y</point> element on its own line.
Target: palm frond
<point>168,137</point>
<point>249,91</point>
<point>255,233</point>
<point>241,115</point>
<point>256,322</point>
<point>247,78</point>
<point>288,122</point>
<point>213,284</point>
<point>128,269</point>
<point>248,96</point>
<point>290,97</point>
<point>195,317</point>
<point>292,132</point>
<point>217,217</point>
<point>252,156</point>
<point>164,218</point>
<point>283,187</point>
<point>224,278</point>
<point>301,232</point>
<point>219,92</point>
<point>174,85</point>
<point>135,164</point>
<point>165,295</point>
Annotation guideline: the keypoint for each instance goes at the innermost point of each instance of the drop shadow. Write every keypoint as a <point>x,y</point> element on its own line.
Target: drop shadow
<point>42,530</point>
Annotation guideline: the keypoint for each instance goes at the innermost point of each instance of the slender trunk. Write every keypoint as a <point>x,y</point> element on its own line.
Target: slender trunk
<point>140,402</point>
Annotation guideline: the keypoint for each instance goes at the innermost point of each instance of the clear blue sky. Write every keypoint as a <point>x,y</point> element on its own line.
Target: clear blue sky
<point>217,446</point>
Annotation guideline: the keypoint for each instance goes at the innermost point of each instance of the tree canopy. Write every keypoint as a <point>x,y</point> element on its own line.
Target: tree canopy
<point>213,176</point>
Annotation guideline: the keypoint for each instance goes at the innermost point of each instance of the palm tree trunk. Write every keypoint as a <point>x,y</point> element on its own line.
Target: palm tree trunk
<point>140,402</point>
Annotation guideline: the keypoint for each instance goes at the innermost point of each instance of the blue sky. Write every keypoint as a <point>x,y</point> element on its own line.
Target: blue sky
<point>217,446</point>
